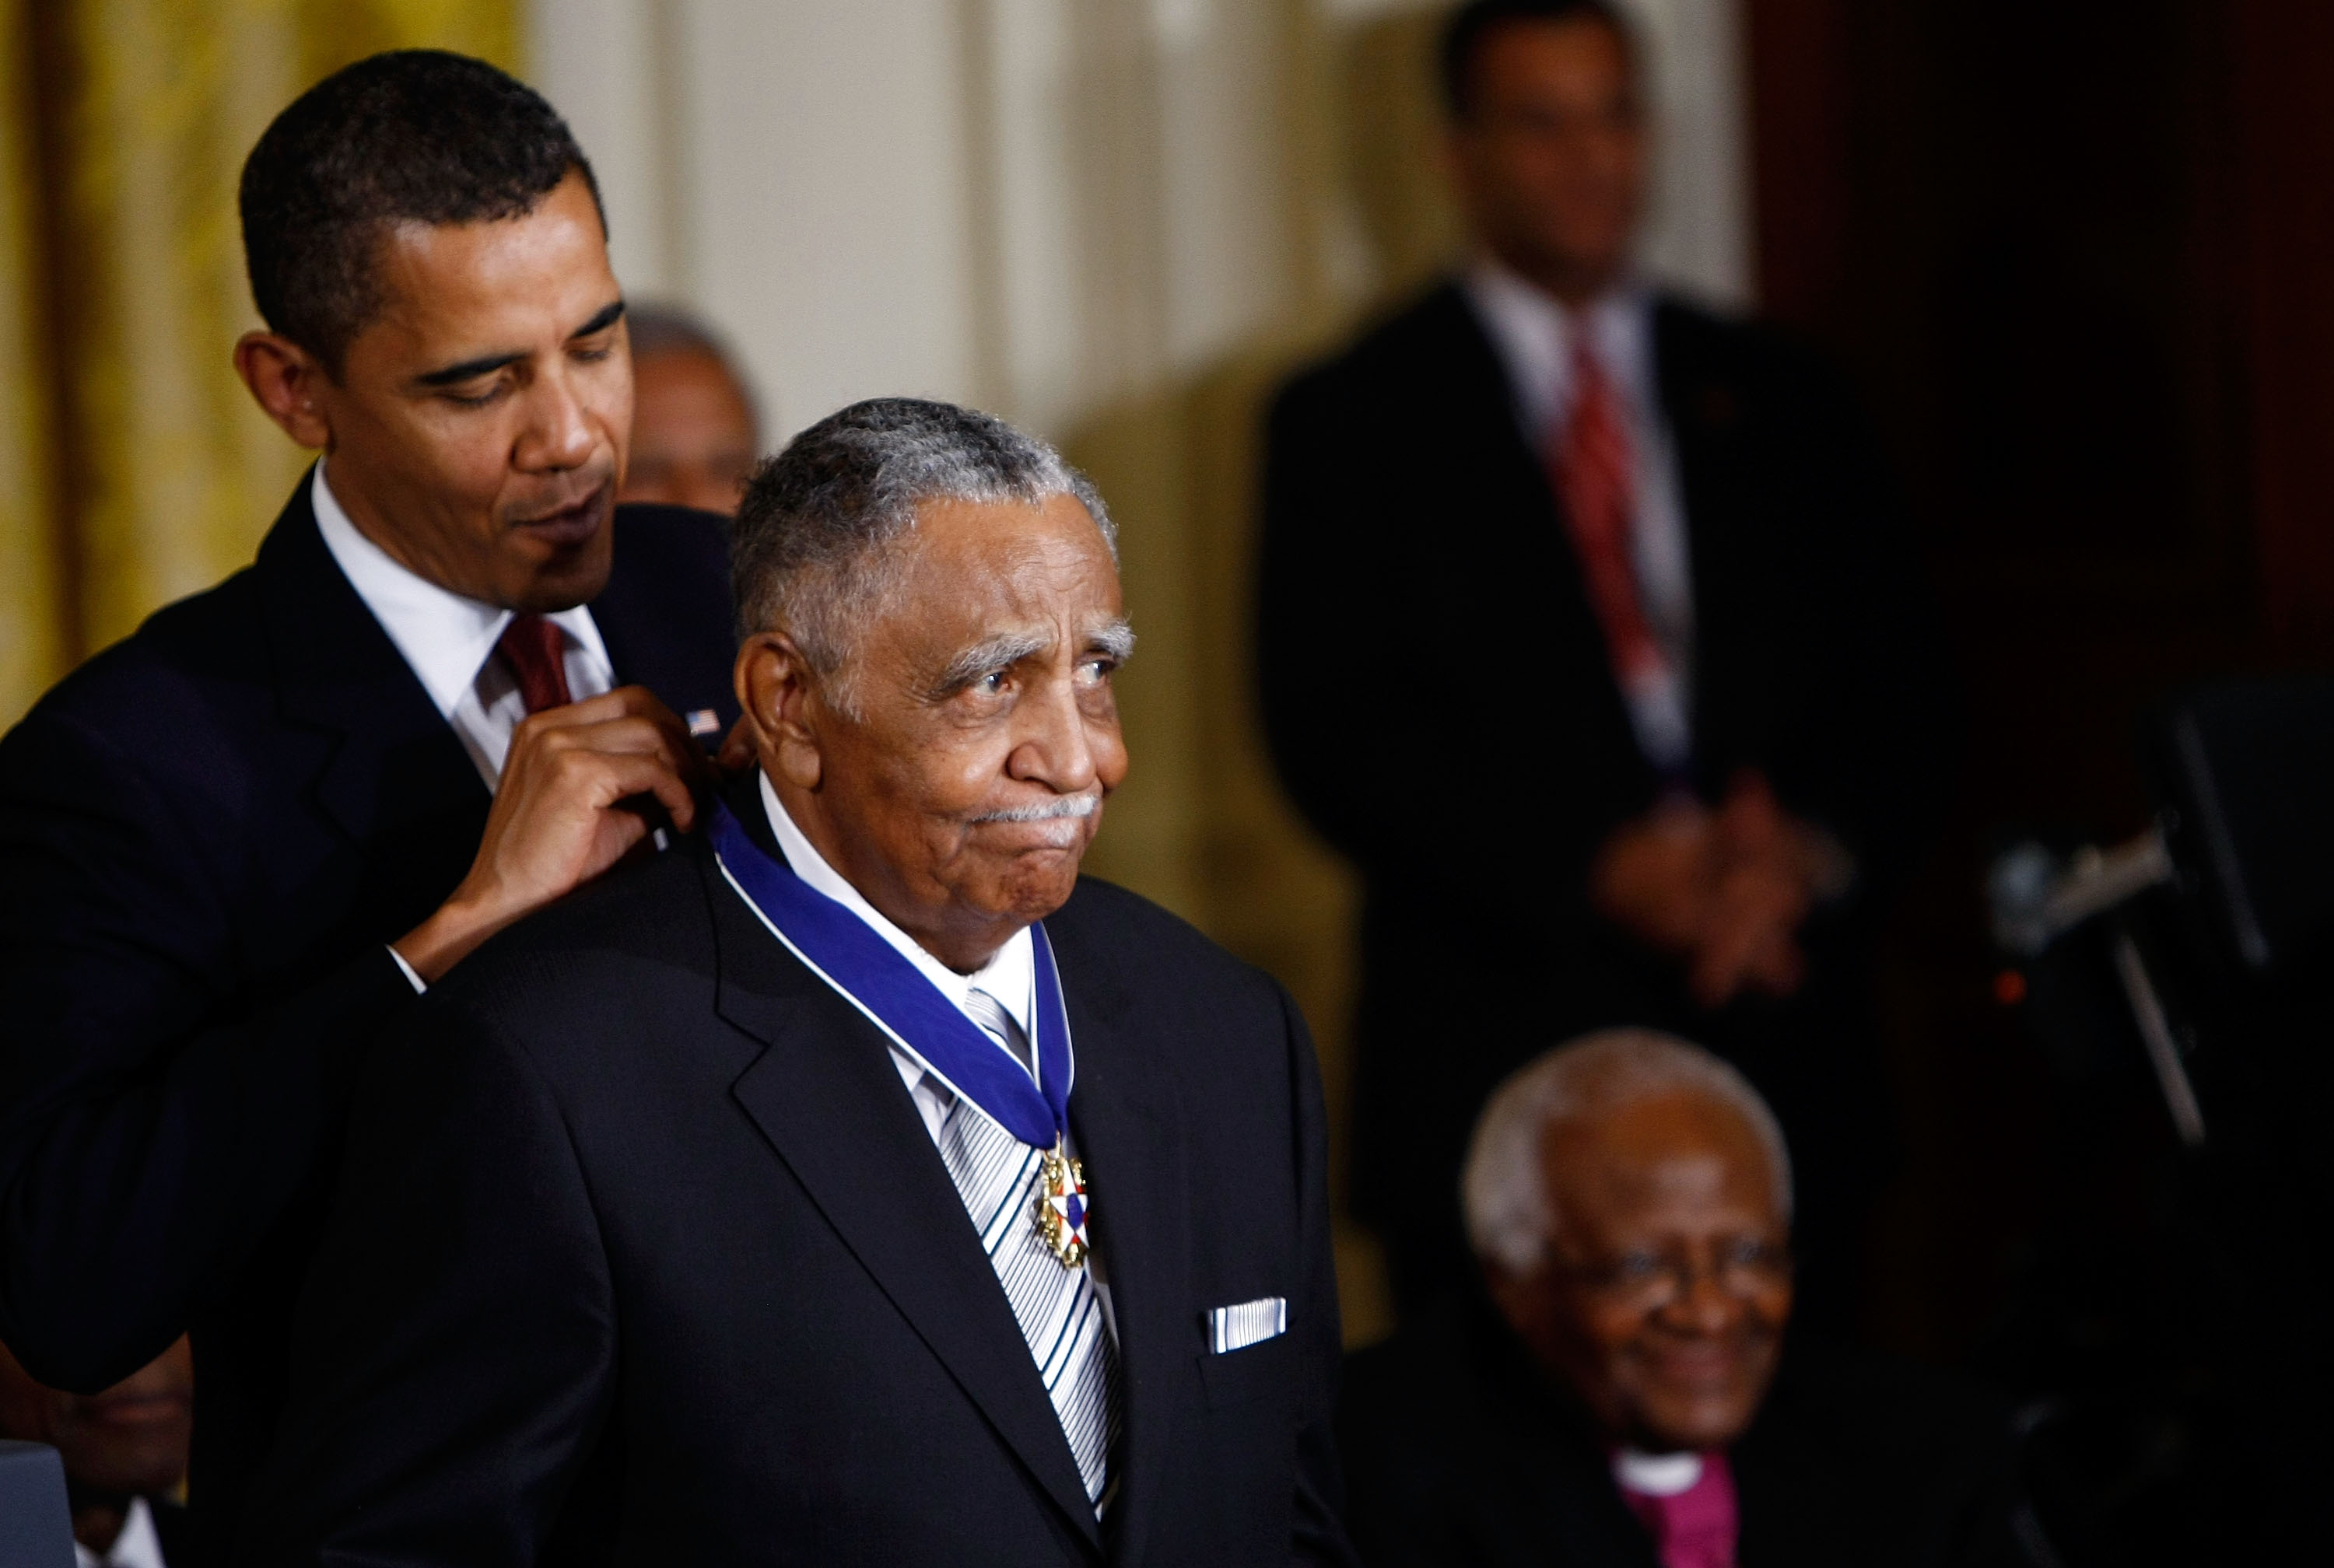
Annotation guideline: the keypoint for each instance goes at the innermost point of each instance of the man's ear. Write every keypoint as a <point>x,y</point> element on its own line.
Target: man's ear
<point>776,690</point>
<point>285,380</point>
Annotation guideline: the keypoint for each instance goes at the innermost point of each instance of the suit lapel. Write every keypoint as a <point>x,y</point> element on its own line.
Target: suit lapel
<point>1126,1122</point>
<point>395,764</point>
<point>1704,413</point>
<point>827,1096</point>
<point>1480,411</point>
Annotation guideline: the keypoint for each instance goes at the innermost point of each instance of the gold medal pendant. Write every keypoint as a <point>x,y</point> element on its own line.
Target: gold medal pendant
<point>1060,1209</point>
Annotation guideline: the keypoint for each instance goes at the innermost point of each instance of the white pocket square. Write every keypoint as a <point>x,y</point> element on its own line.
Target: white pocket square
<point>1235,1328</point>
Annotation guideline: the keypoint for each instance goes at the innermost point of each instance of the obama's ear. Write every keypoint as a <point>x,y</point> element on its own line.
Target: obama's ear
<point>285,380</point>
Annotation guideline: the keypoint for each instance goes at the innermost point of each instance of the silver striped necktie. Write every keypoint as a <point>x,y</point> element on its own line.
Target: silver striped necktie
<point>997,1175</point>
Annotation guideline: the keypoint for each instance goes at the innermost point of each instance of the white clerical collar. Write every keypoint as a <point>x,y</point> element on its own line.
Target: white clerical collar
<point>1533,333</point>
<point>1656,1475</point>
<point>445,638</point>
<point>1010,976</point>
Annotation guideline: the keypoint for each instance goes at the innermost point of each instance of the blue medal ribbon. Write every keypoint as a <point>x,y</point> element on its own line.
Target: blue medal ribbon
<point>873,976</point>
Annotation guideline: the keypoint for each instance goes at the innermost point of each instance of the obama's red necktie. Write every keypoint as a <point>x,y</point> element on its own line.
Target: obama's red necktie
<point>537,651</point>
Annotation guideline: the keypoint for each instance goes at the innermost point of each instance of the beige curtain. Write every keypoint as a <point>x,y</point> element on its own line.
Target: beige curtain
<point>133,468</point>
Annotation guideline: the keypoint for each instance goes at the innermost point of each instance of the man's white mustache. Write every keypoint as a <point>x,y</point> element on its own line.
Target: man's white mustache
<point>1053,810</point>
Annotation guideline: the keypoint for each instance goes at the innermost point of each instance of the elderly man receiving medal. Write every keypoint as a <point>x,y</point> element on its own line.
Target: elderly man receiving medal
<point>736,1210</point>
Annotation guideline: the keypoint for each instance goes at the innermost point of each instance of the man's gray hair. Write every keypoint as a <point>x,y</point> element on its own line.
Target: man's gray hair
<point>812,551</point>
<point>1510,1214</point>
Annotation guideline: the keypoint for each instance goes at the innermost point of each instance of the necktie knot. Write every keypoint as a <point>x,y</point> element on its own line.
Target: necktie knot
<point>990,1015</point>
<point>537,651</point>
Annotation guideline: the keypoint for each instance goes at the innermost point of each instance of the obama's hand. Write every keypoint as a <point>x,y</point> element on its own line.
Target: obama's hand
<point>573,801</point>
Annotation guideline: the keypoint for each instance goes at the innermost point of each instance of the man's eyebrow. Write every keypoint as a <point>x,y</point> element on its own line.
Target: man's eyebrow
<point>488,364</point>
<point>467,370</point>
<point>608,316</point>
<point>1007,648</point>
<point>1116,638</point>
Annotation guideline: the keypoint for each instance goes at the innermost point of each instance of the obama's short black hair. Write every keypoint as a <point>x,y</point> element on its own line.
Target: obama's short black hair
<point>1472,24</point>
<point>411,136</point>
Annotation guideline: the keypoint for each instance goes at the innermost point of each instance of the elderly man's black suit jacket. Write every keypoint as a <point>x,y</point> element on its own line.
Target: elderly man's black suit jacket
<point>207,833</point>
<point>644,1254</point>
<point>1441,706</point>
<point>1459,1454</point>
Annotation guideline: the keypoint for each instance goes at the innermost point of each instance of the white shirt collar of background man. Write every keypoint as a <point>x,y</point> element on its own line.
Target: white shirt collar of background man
<point>1534,336</point>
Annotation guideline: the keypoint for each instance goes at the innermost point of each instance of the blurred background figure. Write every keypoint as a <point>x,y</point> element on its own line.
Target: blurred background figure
<point>1631,587</point>
<point>1620,1390</point>
<point>125,1456</point>
<point>695,429</point>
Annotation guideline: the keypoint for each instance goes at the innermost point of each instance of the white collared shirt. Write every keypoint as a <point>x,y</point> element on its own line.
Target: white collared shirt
<point>1010,976</point>
<point>137,1545</point>
<point>1534,336</point>
<point>449,641</point>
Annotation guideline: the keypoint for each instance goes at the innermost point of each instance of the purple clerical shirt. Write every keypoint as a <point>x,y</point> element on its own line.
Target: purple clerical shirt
<point>1694,1525</point>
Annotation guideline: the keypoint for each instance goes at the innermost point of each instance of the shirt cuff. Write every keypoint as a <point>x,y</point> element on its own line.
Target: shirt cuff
<point>420,986</point>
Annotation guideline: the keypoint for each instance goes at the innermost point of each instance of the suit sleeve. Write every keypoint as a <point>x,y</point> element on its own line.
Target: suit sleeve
<point>453,1354</point>
<point>1323,600</point>
<point>146,1150</point>
<point>1906,696</point>
<point>1319,1536</point>
<point>1871,751</point>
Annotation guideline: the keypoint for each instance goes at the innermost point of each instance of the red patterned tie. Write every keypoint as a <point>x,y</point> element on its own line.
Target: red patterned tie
<point>538,652</point>
<point>1594,472</point>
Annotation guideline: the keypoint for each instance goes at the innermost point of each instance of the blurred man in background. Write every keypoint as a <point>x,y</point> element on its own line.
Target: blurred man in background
<point>1608,588</point>
<point>124,1452</point>
<point>237,844</point>
<point>695,429</point>
<point>1620,1396</point>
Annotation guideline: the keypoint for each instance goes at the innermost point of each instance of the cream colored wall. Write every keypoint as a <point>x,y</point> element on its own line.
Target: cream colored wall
<point>1120,222</point>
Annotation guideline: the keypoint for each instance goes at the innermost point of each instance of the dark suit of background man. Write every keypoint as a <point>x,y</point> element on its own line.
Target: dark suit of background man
<point>655,1246</point>
<point>210,834</point>
<point>1586,634</point>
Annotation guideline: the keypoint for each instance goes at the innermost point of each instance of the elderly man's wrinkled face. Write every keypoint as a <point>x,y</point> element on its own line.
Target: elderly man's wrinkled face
<point>959,785</point>
<point>1664,1297</point>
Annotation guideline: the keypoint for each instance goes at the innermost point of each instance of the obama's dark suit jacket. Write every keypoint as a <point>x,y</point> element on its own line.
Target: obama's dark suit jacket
<point>1441,706</point>
<point>207,833</point>
<point>644,1254</point>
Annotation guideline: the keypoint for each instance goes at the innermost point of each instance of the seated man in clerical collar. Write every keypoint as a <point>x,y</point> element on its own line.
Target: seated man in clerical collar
<point>1620,1394</point>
